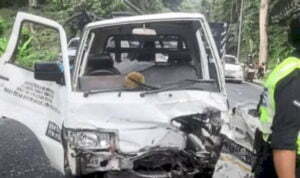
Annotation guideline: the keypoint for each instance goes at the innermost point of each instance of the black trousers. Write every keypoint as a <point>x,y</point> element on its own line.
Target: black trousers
<point>264,165</point>
<point>266,169</point>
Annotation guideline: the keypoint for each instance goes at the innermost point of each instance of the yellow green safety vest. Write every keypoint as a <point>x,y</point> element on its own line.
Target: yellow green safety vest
<point>267,106</point>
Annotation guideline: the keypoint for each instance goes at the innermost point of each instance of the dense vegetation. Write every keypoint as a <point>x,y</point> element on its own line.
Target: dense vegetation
<point>215,10</point>
<point>228,11</point>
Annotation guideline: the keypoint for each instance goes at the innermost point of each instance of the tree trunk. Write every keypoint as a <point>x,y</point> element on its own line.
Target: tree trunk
<point>33,3</point>
<point>263,32</point>
<point>62,5</point>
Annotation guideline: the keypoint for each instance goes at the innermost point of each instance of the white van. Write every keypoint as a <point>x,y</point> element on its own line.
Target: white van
<point>145,95</point>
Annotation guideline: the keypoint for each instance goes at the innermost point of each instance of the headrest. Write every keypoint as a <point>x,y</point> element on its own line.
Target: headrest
<point>101,62</point>
<point>180,58</point>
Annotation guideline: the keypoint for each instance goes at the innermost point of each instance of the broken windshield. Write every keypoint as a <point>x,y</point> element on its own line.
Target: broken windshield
<point>151,54</point>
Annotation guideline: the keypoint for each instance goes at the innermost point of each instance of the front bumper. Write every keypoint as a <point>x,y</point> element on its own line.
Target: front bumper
<point>197,139</point>
<point>79,161</point>
<point>143,165</point>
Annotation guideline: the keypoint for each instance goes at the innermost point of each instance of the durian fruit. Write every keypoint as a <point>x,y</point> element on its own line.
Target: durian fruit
<point>133,79</point>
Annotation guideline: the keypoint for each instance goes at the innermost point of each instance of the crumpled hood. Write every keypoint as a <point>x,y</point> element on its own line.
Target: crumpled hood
<point>141,122</point>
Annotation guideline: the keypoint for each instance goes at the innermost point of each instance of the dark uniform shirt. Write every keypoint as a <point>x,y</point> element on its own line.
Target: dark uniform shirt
<point>286,123</point>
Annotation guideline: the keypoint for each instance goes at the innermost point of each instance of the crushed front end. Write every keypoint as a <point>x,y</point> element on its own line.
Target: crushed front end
<point>188,147</point>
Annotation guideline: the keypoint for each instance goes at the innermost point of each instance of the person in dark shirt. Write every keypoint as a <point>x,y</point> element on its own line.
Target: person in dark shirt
<point>286,124</point>
<point>280,111</point>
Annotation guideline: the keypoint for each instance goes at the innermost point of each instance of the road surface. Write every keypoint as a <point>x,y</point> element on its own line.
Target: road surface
<point>22,156</point>
<point>243,93</point>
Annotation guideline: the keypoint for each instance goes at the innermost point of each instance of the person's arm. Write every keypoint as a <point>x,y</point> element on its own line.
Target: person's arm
<point>285,163</point>
<point>285,128</point>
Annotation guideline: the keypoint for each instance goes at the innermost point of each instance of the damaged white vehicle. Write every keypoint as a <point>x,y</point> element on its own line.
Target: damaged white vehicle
<point>145,96</point>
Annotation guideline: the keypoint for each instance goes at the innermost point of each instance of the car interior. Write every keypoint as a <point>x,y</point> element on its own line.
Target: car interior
<point>168,55</point>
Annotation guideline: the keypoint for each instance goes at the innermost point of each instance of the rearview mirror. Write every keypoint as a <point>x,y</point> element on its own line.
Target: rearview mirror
<point>144,31</point>
<point>49,71</point>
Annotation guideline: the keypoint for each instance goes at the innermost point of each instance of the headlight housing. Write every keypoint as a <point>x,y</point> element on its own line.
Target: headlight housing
<point>90,139</point>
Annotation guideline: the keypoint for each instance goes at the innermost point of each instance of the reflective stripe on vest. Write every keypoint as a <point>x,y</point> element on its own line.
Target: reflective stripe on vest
<point>298,144</point>
<point>267,108</point>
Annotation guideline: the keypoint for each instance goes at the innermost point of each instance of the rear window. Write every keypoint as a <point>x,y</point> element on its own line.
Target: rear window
<point>125,42</point>
<point>157,48</point>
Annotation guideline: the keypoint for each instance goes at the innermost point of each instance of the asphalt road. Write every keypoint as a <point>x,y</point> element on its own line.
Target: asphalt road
<point>21,155</point>
<point>243,93</point>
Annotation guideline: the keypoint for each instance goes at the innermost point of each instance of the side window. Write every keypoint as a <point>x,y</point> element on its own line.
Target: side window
<point>36,43</point>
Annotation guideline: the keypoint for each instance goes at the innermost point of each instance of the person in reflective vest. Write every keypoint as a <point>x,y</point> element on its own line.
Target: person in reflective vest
<point>279,111</point>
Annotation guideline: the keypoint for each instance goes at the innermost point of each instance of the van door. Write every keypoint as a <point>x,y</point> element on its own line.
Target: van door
<point>39,105</point>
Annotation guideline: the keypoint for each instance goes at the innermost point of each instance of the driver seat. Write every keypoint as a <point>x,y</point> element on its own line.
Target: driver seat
<point>102,62</point>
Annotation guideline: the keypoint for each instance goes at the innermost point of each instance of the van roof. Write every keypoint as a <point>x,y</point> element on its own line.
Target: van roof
<point>145,19</point>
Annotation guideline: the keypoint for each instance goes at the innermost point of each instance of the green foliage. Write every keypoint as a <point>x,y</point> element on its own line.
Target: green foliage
<point>25,49</point>
<point>228,11</point>
<point>3,40</point>
<point>279,47</point>
<point>2,26</point>
<point>14,3</point>
<point>215,10</point>
<point>172,4</point>
<point>225,10</point>
<point>37,43</point>
<point>203,6</point>
<point>29,56</point>
<point>105,7</point>
<point>99,7</point>
<point>250,38</point>
<point>147,6</point>
<point>3,44</point>
<point>40,44</point>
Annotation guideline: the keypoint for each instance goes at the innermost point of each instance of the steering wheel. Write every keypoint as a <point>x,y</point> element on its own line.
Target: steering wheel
<point>103,72</point>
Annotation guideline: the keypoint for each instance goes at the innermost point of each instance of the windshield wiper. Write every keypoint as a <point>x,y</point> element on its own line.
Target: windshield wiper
<point>177,87</point>
<point>198,81</point>
<point>143,85</point>
<point>91,92</point>
<point>153,89</point>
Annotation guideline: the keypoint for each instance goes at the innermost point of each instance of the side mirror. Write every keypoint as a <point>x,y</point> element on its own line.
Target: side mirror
<point>49,71</point>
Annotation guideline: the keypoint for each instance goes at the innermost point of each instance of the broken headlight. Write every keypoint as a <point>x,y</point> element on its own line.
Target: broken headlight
<point>90,139</point>
<point>203,133</point>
